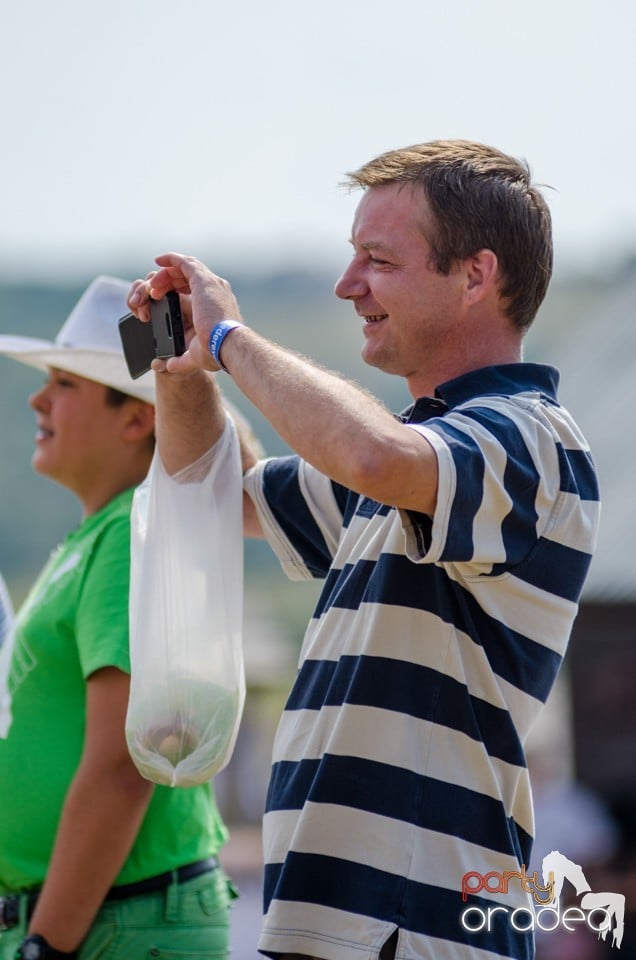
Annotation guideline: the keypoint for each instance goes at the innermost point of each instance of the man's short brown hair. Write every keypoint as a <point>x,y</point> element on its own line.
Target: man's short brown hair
<point>480,198</point>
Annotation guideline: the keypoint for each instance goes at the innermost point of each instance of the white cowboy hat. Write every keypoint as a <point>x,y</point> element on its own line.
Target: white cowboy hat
<point>88,343</point>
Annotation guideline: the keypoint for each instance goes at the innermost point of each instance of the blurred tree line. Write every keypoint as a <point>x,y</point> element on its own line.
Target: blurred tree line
<point>297,309</point>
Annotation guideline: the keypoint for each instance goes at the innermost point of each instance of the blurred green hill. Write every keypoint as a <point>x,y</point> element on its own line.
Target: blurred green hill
<point>297,309</point>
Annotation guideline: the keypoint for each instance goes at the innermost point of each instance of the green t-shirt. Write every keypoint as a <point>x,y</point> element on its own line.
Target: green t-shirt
<point>75,621</point>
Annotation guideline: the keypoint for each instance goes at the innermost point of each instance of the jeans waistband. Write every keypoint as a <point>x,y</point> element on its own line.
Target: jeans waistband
<point>162,880</point>
<point>10,905</point>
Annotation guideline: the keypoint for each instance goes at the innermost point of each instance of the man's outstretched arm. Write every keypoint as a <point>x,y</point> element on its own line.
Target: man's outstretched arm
<point>333,424</point>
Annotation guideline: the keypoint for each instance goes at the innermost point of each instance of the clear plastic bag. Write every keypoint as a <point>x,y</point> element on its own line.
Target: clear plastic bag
<point>186,602</point>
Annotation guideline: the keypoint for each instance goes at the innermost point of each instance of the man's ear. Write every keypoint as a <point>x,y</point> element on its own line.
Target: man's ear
<point>140,420</point>
<point>481,275</point>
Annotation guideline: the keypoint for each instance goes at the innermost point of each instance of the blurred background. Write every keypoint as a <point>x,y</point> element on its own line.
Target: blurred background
<point>132,127</point>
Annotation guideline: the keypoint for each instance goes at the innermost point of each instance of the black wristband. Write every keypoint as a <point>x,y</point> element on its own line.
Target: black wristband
<point>36,947</point>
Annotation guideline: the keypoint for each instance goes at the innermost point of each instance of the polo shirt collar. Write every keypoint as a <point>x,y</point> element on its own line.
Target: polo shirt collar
<point>505,379</point>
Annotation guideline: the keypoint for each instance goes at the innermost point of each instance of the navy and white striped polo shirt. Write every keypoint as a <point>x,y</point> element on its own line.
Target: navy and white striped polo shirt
<point>398,764</point>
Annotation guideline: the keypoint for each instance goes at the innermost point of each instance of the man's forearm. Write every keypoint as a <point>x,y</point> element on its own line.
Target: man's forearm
<point>190,417</point>
<point>332,423</point>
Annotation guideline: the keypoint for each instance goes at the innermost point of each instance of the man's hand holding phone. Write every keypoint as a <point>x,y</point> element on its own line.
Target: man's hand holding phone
<point>160,337</point>
<point>210,299</point>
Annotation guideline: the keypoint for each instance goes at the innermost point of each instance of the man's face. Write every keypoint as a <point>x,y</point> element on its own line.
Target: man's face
<point>411,312</point>
<point>77,431</point>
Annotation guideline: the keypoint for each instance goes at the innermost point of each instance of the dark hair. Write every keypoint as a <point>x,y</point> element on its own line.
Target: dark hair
<point>479,198</point>
<point>115,398</point>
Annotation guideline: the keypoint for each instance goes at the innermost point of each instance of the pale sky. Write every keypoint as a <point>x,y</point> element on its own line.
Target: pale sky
<point>224,129</point>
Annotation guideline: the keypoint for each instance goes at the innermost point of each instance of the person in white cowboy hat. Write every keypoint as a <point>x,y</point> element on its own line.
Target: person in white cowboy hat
<point>91,853</point>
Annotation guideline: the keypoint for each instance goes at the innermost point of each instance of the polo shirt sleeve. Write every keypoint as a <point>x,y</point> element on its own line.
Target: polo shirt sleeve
<point>102,632</point>
<point>499,486</point>
<point>301,513</point>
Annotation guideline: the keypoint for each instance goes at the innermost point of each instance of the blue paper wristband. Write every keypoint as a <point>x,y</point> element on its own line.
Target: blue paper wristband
<point>217,336</point>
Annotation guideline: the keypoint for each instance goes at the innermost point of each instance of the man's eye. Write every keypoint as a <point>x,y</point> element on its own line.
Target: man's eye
<point>377,260</point>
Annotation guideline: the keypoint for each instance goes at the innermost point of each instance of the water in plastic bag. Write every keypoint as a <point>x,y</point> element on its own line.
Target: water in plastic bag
<point>186,600</point>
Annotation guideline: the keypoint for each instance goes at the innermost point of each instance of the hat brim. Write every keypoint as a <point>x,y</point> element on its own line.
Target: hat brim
<point>102,366</point>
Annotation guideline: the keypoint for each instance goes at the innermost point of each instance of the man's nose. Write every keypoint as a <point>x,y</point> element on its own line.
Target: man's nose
<point>351,284</point>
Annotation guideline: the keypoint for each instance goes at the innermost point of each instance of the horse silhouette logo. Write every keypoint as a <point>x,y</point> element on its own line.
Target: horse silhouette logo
<point>556,869</point>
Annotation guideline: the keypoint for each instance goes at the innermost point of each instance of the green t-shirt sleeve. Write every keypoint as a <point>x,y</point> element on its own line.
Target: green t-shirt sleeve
<point>102,615</point>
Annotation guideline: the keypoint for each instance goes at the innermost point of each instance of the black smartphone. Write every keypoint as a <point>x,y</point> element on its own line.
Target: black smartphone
<point>163,337</point>
<point>167,326</point>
